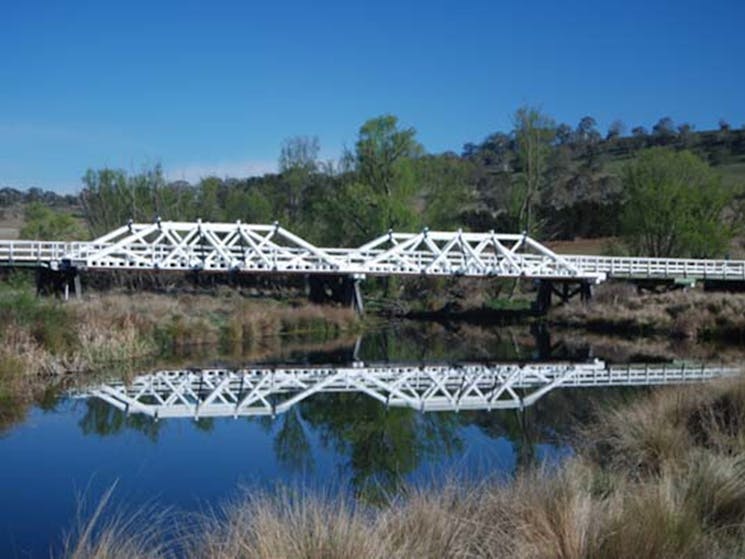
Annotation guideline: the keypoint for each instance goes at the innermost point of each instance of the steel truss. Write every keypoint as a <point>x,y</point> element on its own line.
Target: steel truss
<point>271,391</point>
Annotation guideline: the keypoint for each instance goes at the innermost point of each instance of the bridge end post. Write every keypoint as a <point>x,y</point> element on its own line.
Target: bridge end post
<point>344,290</point>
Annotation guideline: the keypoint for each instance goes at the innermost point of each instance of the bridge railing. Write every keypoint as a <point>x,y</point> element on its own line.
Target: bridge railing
<point>33,251</point>
<point>661,268</point>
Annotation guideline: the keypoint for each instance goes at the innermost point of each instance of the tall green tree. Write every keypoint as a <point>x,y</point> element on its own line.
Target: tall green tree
<point>534,135</point>
<point>675,206</point>
<point>111,197</point>
<point>298,167</point>
<point>106,199</point>
<point>379,191</point>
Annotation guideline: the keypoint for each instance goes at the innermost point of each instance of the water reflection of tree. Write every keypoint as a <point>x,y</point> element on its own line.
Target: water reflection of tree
<point>382,444</point>
<point>434,342</point>
<point>291,445</point>
<point>12,411</point>
<point>553,420</point>
<point>104,420</point>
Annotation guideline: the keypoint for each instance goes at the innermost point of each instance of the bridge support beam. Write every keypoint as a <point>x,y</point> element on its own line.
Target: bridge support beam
<point>64,283</point>
<point>344,290</point>
<point>565,291</point>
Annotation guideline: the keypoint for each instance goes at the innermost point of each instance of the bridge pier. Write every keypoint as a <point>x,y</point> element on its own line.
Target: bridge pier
<point>566,291</point>
<point>338,289</point>
<point>63,283</point>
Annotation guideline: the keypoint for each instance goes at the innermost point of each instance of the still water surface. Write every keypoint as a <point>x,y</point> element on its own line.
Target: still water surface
<point>349,441</point>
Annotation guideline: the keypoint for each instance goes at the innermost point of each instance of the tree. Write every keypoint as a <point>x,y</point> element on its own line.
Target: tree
<point>564,134</point>
<point>210,195</point>
<point>298,163</point>
<point>45,224</point>
<point>587,132</point>
<point>616,129</point>
<point>110,198</point>
<point>379,192</point>
<point>675,206</point>
<point>640,136</point>
<point>106,199</point>
<point>685,134</point>
<point>534,134</point>
<point>445,191</point>
<point>665,128</point>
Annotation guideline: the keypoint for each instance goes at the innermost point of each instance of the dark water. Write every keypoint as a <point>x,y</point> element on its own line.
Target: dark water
<point>343,441</point>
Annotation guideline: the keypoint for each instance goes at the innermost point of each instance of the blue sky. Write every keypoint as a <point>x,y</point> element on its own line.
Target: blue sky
<point>214,87</point>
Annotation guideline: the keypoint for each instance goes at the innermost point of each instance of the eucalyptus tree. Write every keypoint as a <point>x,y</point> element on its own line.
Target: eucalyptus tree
<point>298,166</point>
<point>534,134</point>
<point>675,205</point>
<point>587,132</point>
<point>664,131</point>
<point>379,189</point>
<point>616,129</point>
<point>111,197</point>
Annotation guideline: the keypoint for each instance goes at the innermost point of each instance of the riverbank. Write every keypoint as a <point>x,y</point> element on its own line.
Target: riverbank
<point>684,314</point>
<point>43,338</point>
<point>661,476</point>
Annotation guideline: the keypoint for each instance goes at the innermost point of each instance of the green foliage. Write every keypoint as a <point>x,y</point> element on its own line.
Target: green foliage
<point>379,192</point>
<point>445,190</point>
<point>110,197</point>
<point>675,205</point>
<point>44,223</point>
<point>552,181</point>
<point>48,321</point>
<point>534,134</point>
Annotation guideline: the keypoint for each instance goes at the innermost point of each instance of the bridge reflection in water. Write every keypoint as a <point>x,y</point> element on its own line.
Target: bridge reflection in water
<point>449,387</point>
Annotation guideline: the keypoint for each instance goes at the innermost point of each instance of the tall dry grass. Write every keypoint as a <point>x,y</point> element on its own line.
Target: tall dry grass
<point>101,534</point>
<point>47,337</point>
<point>686,314</point>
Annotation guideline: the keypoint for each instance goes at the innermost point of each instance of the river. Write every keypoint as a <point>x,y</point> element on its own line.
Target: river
<point>342,421</point>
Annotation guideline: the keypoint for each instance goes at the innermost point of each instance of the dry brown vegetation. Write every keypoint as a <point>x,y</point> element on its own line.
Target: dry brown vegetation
<point>44,336</point>
<point>660,477</point>
<point>689,314</point>
<point>43,339</point>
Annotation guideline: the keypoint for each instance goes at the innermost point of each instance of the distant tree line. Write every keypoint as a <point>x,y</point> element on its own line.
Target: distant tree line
<point>658,190</point>
<point>12,197</point>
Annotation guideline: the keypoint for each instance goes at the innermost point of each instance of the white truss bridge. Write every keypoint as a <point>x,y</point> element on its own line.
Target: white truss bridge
<point>273,390</point>
<point>252,248</point>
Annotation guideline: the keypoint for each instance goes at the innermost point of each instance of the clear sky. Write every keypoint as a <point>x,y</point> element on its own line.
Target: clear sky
<point>214,87</point>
